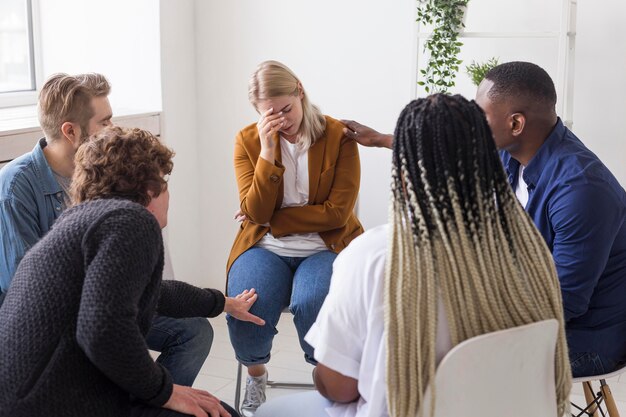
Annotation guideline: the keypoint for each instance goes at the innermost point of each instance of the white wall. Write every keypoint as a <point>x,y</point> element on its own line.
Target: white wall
<point>600,82</point>
<point>117,38</point>
<point>146,49</point>
<point>179,130</point>
<point>600,62</point>
<point>354,59</point>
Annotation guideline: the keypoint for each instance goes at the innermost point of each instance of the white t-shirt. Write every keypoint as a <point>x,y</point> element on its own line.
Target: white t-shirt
<point>295,194</point>
<point>521,190</point>
<point>348,335</point>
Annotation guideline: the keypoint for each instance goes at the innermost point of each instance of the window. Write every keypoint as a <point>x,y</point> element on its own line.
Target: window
<point>17,53</point>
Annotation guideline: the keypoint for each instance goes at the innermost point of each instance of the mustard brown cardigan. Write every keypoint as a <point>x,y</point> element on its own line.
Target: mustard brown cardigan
<point>334,178</point>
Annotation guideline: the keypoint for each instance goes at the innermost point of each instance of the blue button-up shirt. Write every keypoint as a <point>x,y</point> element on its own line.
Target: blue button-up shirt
<point>580,209</point>
<point>30,201</point>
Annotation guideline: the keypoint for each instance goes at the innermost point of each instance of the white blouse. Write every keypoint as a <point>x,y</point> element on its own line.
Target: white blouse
<point>295,194</point>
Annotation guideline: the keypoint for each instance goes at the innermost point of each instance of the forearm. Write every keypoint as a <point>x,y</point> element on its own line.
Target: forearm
<point>309,219</point>
<point>18,232</point>
<point>258,189</point>
<point>385,141</point>
<point>335,386</point>
<point>180,300</point>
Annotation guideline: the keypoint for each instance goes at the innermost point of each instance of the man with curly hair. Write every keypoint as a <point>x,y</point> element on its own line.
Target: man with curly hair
<point>82,299</point>
<point>34,192</point>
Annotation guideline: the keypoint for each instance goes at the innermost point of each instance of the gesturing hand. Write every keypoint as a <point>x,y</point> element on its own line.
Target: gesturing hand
<point>196,402</point>
<point>239,307</point>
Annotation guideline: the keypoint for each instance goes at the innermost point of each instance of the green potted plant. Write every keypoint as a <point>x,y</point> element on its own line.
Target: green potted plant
<point>477,70</point>
<point>446,19</point>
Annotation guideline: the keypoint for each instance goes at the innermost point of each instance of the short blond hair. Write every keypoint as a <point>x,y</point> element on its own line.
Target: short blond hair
<point>274,79</point>
<point>67,98</point>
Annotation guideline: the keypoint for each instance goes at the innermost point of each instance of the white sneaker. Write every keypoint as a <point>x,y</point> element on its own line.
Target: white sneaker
<point>255,394</point>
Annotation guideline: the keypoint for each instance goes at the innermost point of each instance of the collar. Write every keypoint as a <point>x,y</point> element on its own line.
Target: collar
<point>532,172</point>
<point>43,171</point>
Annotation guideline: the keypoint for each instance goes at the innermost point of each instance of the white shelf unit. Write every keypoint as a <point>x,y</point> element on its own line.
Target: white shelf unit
<point>566,37</point>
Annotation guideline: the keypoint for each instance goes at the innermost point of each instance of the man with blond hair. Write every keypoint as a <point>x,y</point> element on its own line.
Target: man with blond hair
<point>34,192</point>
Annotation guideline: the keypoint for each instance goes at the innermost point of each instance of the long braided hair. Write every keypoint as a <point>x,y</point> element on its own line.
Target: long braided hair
<point>457,232</point>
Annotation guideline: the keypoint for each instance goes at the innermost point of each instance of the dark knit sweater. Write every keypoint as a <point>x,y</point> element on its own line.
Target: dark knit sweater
<point>73,322</point>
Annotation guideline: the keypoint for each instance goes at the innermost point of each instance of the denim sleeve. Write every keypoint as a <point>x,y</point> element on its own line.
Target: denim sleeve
<point>585,219</point>
<point>19,230</point>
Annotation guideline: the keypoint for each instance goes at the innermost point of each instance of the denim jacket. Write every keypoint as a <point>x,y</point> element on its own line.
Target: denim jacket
<point>30,201</point>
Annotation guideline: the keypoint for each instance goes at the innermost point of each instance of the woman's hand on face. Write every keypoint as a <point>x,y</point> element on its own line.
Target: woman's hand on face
<point>268,125</point>
<point>239,307</point>
<point>196,402</point>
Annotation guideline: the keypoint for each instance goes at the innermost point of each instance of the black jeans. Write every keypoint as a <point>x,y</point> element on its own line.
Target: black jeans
<point>148,411</point>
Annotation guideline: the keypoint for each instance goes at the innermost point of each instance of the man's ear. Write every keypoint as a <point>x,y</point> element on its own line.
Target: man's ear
<point>518,122</point>
<point>70,131</point>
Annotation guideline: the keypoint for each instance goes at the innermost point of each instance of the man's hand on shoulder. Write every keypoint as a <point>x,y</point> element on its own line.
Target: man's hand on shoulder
<point>366,136</point>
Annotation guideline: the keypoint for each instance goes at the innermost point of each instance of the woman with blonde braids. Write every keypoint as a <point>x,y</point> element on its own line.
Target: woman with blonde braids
<point>458,259</point>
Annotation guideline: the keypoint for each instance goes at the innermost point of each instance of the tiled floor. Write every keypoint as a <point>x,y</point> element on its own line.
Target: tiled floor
<point>220,370</point>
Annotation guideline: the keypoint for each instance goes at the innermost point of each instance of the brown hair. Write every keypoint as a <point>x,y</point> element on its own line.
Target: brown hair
<point>121,163</point>
<point>67,98</point>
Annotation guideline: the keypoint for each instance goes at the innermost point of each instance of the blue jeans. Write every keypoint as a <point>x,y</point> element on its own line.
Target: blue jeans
<point>184,345</point>
<point>591,363</point>
<point>280,281</point>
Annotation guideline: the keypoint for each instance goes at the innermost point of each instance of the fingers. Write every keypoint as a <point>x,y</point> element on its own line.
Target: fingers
<point>214,408</point>
<point>349,133</point>
<point>254,319</point>
<point>247,294</point>
<point>351,124</point>
<point>270,123</point>
<point>243,294</point>
<point>239,216</point>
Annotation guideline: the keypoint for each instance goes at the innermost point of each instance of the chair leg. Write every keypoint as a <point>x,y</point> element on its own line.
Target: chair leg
<point>238,388</point>
<point>590,398</point>
<point>608,399</point>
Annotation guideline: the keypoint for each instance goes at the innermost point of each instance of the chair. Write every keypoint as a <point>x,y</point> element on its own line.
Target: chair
<point>270,383</point>
<point>594,401</point>
<point>499,374</point>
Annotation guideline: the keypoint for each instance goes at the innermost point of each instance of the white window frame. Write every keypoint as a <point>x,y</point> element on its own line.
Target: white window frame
<point>29,97</point>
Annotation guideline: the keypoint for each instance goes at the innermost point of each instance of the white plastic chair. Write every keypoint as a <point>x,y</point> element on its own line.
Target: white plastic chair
<point>595,400</point>
<point>505,373</point>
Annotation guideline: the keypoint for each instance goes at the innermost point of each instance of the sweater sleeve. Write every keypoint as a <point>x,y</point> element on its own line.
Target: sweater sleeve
<point>122,255</point>
<point>180,300</point>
